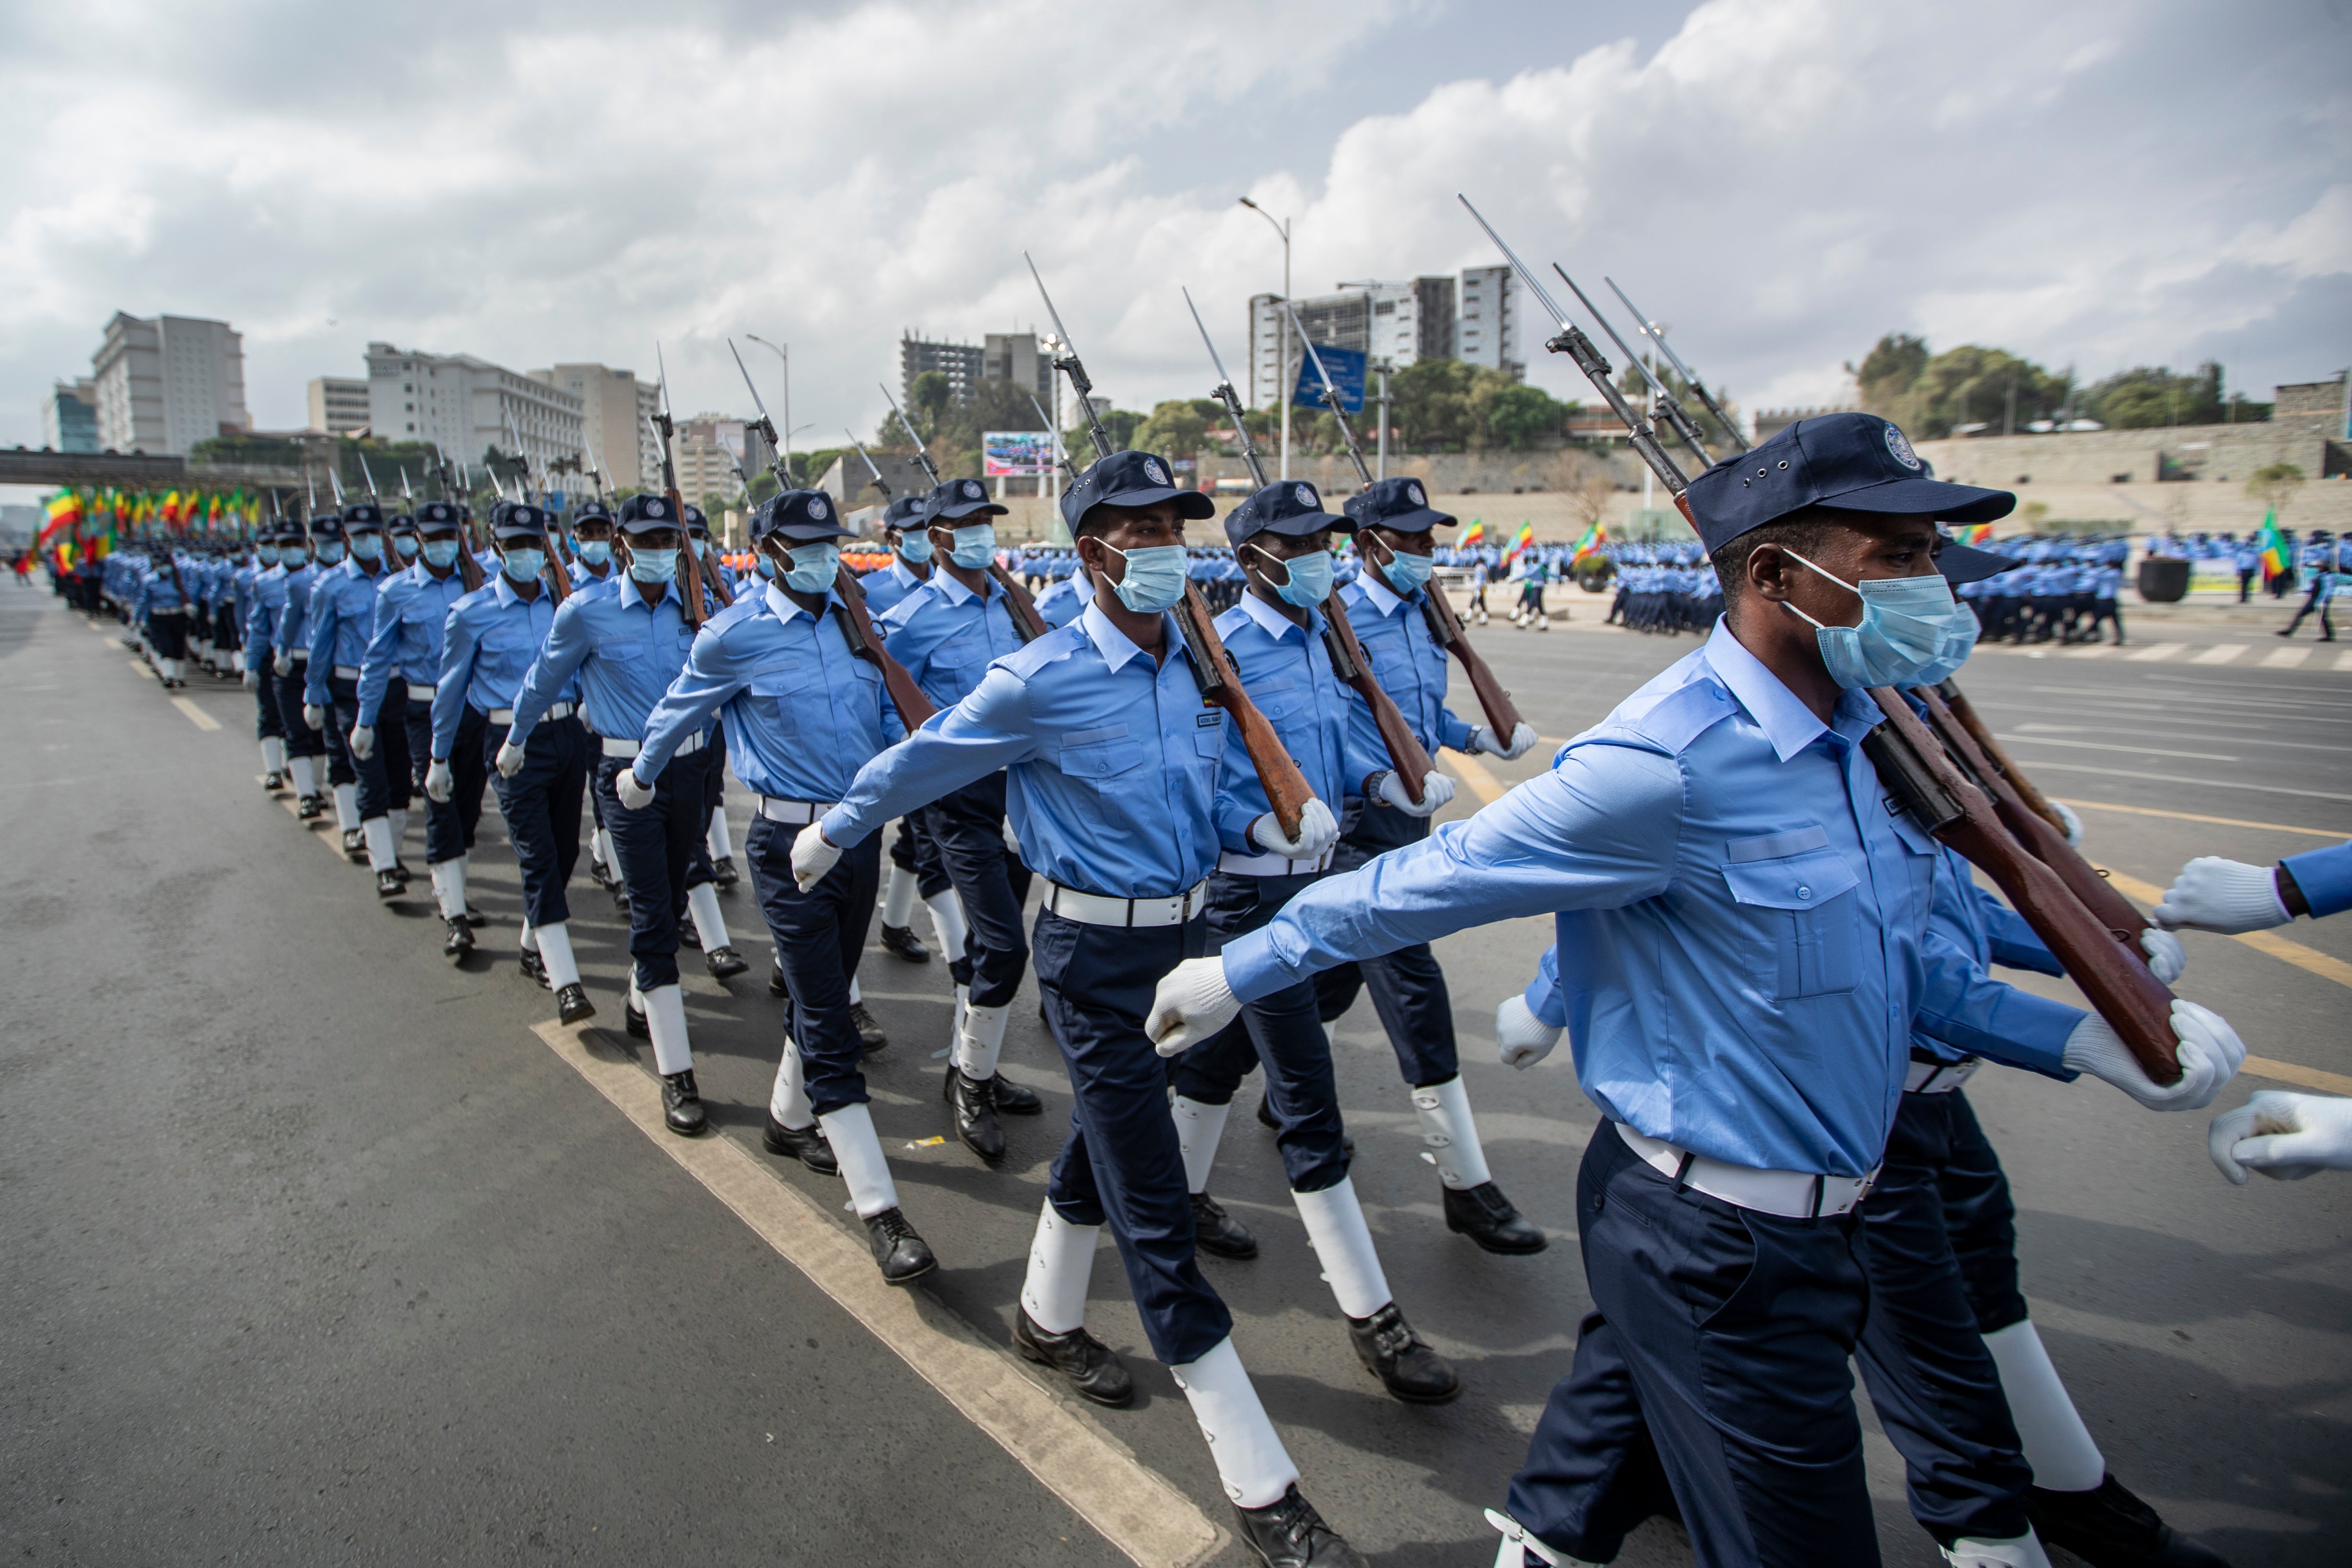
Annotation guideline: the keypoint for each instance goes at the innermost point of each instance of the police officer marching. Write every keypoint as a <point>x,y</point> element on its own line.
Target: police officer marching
<point>915,868</point>
<point>306,741</point>
<point>342,625</point>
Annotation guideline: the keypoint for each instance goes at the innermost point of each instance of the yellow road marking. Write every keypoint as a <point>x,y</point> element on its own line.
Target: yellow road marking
<point>2192,817</point>
<point>2287,1072</point>
<point>1472,772</point>
<point>1131,1505</point>
<point>2278,947</point>
<point>196,716</point>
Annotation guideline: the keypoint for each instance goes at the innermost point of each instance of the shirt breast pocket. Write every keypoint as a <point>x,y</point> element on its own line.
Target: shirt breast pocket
<point>1099,763</point>
<point>621,648</point>
<point>1209,736</point>
<point>507,640</point>
<point>1802,917</point>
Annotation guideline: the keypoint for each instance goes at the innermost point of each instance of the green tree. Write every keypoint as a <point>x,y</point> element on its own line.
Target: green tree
<point>2145,396</point>
<point>1931,396</point>
<point>2274,485</point>
<point>1176,428</point>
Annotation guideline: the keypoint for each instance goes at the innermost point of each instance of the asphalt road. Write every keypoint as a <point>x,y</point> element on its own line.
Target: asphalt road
<point>315,1252</point>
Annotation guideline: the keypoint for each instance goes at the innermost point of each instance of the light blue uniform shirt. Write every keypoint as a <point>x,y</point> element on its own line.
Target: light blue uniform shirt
<point>294,615</point>
<point>411,610</point>
<point>887,588</point>
<point>490,639</point>
<point>625,652</point>
<point>1060,602</point>
<point>2325,877</point>
<point>803,713</point>
<point>1287,672</point>
<point>946,635</point>
<point>1409,665</point>
<point>1750,923</point>
<point>343,620</point>
<point>1112,761</point>
<point>267,603</point>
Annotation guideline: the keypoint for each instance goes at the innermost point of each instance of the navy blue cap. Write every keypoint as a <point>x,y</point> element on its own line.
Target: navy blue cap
<point>400,522</point>
<point>801,516</point>
<point>960,499</point>
<point>695,521</point>
<point>643,510</point>
<point>363,517</point>
<point>517,520</point>
<point>438,516</point>
<point>1399,504</point>
<point>1130,479</point>
<point>1857,462</point>
<point>905,512</point>
<point>327,525</point>
<point>1287,507</point>
<point>1966,563</point>
<point>591,510</point>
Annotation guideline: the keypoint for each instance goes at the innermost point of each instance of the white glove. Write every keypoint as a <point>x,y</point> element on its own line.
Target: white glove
<point>813,856</point>
<point>2165,957</point>
<point>1192,1002</point>
<point>438,786</point>
<point>1318,830</point>
<point>509,761</point>
<point>2284,1136</point>
<point>314,716</point>
<point>1523,740</point>
<point>2226,896</point>
<point>252,680</point>
<point>635,795</point>
<point>363,742</point>
<point>1436,789</point>
<point>2209,1053</point>
<point>2074,823</point>
<point>283,663</point>
<point>1523,1038</point>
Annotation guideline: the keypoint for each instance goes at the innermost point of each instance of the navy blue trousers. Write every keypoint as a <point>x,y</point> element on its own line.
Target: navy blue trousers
<point>1121,1166</point>
<point>1710,1381</point>
<point>383,772</point>
<point>819,936</point>
<point>542,805</point>
<point>265,721</point>
<point>1408,988</point>
<point>1282,1032</point>
<point>1978,1215</point>
<point>655,847</point>
<point>911,849</point>
<point>449,825</point>
<point>1923,1357</point>
<point>990,882</point>
<point>301,741</point>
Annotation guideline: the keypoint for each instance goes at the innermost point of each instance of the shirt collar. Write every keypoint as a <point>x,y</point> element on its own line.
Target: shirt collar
<point>634,599</point>
<point>782,603</point>
<point>1788,724</point>
<point>1109,641</point>
<point>943,582</point>
<point>503,587</point>
<point>1276,623</point>
<point>1384,601</point>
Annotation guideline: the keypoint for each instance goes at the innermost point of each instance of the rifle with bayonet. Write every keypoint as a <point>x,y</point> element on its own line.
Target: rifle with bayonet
<point>1918,762</point>
<point>1666,403</point>
<point>1698,388</point>
<point>558,575</point>
<point>664,427</point>
<point>1026,621</point>
<point>1286,790</point>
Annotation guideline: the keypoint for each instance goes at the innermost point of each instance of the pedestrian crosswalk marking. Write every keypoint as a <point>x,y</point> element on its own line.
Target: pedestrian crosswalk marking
<point>2156,652</point>
<point>2221,653</point>
<point>2344,661</point>
<point>2285,658</point>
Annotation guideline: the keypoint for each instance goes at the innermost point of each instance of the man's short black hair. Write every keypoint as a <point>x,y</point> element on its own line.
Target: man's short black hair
<point>1804,532</point>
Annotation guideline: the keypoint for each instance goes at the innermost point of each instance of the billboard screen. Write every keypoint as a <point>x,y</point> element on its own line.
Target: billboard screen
<point>1016,453</point>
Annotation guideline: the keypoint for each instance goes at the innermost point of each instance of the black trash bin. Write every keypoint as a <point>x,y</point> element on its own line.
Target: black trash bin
<point>2163,580</point>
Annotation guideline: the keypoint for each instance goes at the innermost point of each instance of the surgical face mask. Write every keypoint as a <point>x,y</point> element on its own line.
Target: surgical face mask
<point>653,566</point>
<point>265,554</point>
<point>441,552</point>
<point>330,554</point>
<point>913,548</point>
<point>406,545</point>
<point>1155,577</point>
<point>524,564</point>
<point>702,550</point>
<point>595,552</point>
<point>766,567</point>
<point>368,546</point>
<point>1406,574</point>
<point>1309,583</point>
<point>293,560</point>
<point>975,546</point>
<point>813,567</point>
<point>1913,632</point>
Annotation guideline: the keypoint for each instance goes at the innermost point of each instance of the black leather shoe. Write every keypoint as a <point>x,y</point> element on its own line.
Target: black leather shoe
<point>636,1026</point>
<point>1392,1352</point>
<point>534,967</point>
<point>689,935</point>
<point>896,1248</point>
<point>460,940</point>
<point>597,874</point>
<point>724,962</point>
<point>403,873</point>
<point>1484,1215</point>
<point>310,808</point>
<point>273,783</point>
<point>476,918</point>
<point>1218,1233</point>
<point>870,1035</point>
<point>723,872</point>
<point>620,899</point>
<point>776,987</point>
<point>388,885</point>
<point>1289,1533</point>
<point>681,1103</point>
<point>973,1101</point>
<point>806,1144</point>
<point>355,847</point>
<point>1093,1368</point>
<point>571,1004</point>
<point>903,941</point>
<point>1016,1100</point>
<point>2107,1527</point>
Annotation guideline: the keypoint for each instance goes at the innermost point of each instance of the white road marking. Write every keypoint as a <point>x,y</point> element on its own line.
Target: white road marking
<point>2040,766</point>
<point>196,716</point>
<point>2156,652</point>
<point>1131,1505</point>
<point>2221,653</point>
<point>2344,662</point>
<point>2192,817</point>
<point>2287,658</point>
<point>2103,746</point>
<point>2096,651</point>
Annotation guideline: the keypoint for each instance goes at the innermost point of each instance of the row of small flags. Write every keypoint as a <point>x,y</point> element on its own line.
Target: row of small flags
<point>90,520</point>
<point>1595,536</point>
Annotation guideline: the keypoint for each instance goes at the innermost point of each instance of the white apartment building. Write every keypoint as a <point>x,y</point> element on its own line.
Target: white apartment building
<point>165,384</point>
<point>1493,309</point>
<point>467,406</point>
<point>338,404</point>
<point>1397,323</point>
<point>613,407</point>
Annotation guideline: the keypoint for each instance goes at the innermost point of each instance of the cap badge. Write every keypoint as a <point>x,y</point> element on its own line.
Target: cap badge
<point>652,509</point>
<point>971,489</point>
<point>816,507</point>
<point>1305,495</point>
<point>1900,445</point>
<point>1412,493</point>
<point>1153,469</point>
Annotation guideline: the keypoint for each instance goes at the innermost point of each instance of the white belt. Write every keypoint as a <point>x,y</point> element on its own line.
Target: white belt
<point>347,673</point>
<point>616,747</point>
<point>299,655</point>
<point>1939,1077</point>
<point>793,812</point>
<point>172,610</point>
<point>1792,1194</point>
<point>554,711</point>
<point>1271,865</point>
<point>1096,909</point>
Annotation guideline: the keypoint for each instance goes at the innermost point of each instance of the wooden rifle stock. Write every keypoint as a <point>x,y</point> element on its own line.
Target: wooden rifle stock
<point>1020,605</point>
<point>718,582</point>
<point>2048,845</point>
<point>1502,714</point>
<point>469,565</point>
<point>559,576</point>
<point>2035,801</point>
<point>1285,787</point>
<point>857,625</point>
<point>1916,770</point>
<point>1347,661</point>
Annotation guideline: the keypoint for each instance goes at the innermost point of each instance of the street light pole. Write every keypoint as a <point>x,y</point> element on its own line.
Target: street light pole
<point>1283,354</point>
<point>786,442</point>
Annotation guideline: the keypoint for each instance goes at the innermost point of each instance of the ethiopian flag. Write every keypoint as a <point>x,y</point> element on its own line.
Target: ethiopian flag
<point>1474,534</point>
<point>1594,538</point>
<point>1975,533</point>
<point>2273,547</point>
<point>1522,541</point>
<point>65,512</point>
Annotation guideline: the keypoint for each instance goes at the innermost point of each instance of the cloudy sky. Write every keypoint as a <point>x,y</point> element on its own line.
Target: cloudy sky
<point>2097,183</point>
